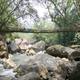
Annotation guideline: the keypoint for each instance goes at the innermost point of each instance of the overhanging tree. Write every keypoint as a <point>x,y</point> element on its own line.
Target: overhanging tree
<point>6,19</point>
<point>66,14</point>
<point>12,10</point>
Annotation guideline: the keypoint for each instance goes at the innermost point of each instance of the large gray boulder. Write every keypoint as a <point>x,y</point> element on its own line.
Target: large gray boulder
<point>61,51</point>
<point>39,46</point>
<point>31,68</point>
<point>46,66</point>
<point>57,51</point>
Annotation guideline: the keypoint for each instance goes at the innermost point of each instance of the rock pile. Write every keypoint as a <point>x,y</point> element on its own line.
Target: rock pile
<point>22,46</point>
<point>55,63</point>
<point>45,67</point>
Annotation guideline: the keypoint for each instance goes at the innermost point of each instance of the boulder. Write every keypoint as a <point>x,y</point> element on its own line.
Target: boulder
<point>6,74</point>
<point>57,51</point>
<point>4,54</point>
<point>46,66</point>
<point>22,44</point>
<point>2,45</point>
<point>18,41</point>
<point>12,47</point>
<point>72,53</point>
<point>39,46</point>
<point>30,76</point>
<point>75,75</point>
<point>61,51</point>
<point>30,52</point>
<point>9,63</point>
<point>38,68</point>
<point>24,41</point>
<point>3,49</point>
<point>74,46</point>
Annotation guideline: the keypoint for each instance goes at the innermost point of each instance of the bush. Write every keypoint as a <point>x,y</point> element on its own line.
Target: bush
<point>49,38</point>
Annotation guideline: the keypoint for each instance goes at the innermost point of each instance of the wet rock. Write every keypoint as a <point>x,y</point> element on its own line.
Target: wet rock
<point>61,51</point>
<point>48,67</point>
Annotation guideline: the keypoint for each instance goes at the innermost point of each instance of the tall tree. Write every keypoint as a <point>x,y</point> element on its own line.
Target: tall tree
<point>66,14</point>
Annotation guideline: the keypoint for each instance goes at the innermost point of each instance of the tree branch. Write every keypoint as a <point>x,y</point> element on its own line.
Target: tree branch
<point>56,7</point>
<point>8,16</point>
<point>40,31</point>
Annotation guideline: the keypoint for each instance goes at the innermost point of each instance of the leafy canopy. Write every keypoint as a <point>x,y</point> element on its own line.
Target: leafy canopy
<point>7,20</point>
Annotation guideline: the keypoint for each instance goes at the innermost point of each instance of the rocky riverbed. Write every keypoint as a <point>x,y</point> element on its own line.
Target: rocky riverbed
<point>34,61</point>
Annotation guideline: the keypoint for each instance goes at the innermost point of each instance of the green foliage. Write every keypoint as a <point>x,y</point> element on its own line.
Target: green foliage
<point>77,38</point>
<point>9,36</point>
<point>44,25</point>
<point>66,38</point>
<point>67,17</point>
<point>7,20</point>
<point>49,38</point>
